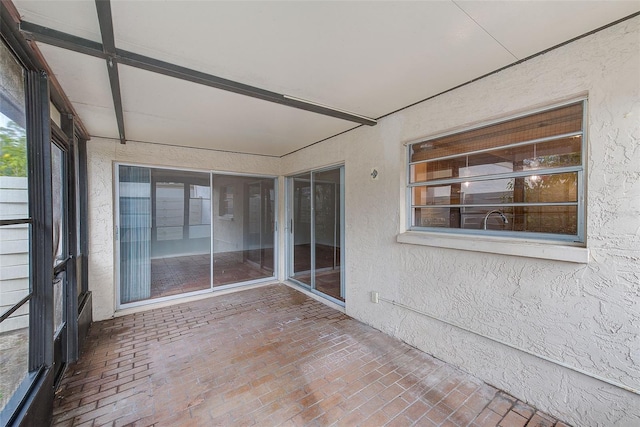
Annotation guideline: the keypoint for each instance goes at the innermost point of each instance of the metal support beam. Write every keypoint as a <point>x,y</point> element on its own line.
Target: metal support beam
<point>77,44</point>
<point>103,8</point>
<point>63,40</point>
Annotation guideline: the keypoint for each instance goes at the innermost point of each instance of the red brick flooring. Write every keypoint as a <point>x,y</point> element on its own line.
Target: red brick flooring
<point>179,275</point>
<point>269,357</point>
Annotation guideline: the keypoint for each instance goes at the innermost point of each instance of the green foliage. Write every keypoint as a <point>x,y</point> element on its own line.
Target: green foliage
<point>13,150</point>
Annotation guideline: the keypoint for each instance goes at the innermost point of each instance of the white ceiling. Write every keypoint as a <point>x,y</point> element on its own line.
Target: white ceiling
<point>369,58</point>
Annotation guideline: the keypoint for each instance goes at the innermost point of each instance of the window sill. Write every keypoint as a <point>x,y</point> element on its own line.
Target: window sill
<point>497,245</point>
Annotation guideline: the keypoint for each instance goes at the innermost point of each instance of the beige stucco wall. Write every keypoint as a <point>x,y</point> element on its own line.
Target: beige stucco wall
<point>584,315</point>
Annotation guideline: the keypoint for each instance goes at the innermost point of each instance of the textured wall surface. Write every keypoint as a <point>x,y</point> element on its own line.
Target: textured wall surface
<point>584,315</point>
<point>102,154</point>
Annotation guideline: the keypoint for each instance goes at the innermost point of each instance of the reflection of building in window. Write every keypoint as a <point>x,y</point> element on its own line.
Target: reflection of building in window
<point>199,211</point>
<point>226,201</point>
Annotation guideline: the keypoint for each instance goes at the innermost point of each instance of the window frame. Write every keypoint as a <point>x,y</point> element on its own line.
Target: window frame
<point>37,128</point>
<point>579,239</point>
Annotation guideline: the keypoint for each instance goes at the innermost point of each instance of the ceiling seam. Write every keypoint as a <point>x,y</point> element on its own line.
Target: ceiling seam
<point>111,138</point>
<point>322,140</point>
<point>485,30</point>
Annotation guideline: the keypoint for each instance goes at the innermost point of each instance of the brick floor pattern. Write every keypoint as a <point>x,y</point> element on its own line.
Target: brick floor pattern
<point>269,356</point>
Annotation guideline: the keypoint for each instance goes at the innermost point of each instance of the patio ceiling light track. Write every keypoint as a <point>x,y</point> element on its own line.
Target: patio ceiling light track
<point>95,49</point>
<point>103,8</point>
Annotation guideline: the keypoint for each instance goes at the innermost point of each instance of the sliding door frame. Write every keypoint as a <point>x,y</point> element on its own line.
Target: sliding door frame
<point>290,232</point>
<point>212,288</point>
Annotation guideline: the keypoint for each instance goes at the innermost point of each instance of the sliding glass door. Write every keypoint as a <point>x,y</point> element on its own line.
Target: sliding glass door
<point>316,218</point>
<point>184,232</point>
<point>327,233</point>
<point>243,229</point>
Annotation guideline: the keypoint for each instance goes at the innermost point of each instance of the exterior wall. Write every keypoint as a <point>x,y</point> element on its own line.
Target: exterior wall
<point>101,156</point>
<point>584,315</point>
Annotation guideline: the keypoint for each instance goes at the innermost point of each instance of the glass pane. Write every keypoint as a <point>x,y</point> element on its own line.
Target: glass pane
<point>135,233</point>
<point>80,218</point>
<point>327,232</point>
<point>14,267</point>
<point>302,228</point>
<point>13,141</point>
<point>199,212</point>
<point>79,278</point>
<point>14,239</point>
<point>552,154</point>
<point>169,210</point>
<point>562,120</point>
<point>243,228</point>
<point>225,201</point>
<point>537,219</point>
<point>58,201</point>
<point>181,236</point>
<point>58,302</point>
<point>556,188</point>
<point>14,352</point>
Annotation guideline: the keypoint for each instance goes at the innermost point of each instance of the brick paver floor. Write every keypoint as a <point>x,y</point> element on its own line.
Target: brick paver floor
<point>269,357</point>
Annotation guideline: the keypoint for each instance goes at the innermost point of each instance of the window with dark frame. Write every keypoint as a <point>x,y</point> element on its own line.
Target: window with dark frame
<point>521,177</point>
<point>15,235</point>
<point>31,356</point>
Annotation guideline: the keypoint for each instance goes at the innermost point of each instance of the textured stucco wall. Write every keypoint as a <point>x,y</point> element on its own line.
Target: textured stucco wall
<point>101,156</point>
<point>585,315</point>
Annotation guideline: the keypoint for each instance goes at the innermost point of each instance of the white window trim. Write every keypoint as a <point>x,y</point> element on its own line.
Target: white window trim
<point>497,245</point>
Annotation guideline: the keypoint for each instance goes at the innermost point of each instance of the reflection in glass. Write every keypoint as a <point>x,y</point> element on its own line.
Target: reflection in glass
<point>180,233</point>
<point>15,241</point>
<point>554,123</point>
<point>166,222</point>
<point>58,195</point>
<point>471,201</point>
<point>14,352</point>
<point>243,228</point>
<point>316,240</point>
<point>537,219</point>
<point>302,228</point>
<point>13,170</point>
<point>555,188</point>
<point>539,156</point>
<point>58,302</point>
<point>169,210</point>
<point>135,233</point>
<point>13,139</point>
<point>327,232</point>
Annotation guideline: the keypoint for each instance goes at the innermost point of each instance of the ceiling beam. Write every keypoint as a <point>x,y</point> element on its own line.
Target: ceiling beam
<point>56,38</point>
<point>103,7</point>
<point>88,47</point>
